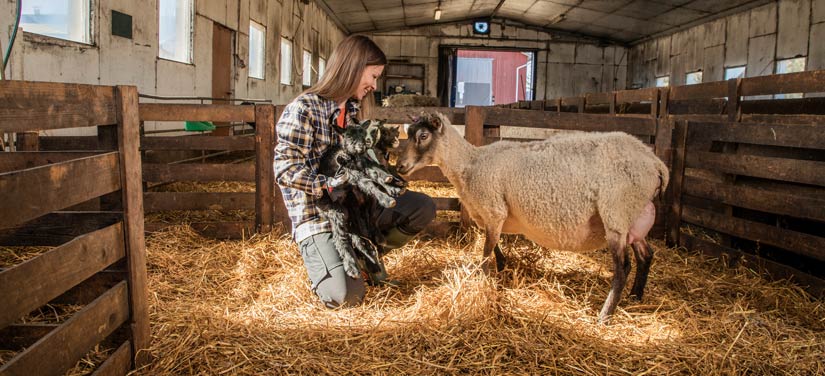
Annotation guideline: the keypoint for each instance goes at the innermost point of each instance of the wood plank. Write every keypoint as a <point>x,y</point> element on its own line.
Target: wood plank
<point>30,106</point>
<point>162,201</point>
<point>64,346</point>
<point>771,269</point>
<point>128,139</point>
<point>22,160</point>
<point>714,106</point>
<point>570,121</point>
<point>598,98</point>
<point>91,288</point>
<point>801,82</point>
<point>279,211</point>
<point>717,89</point>
<point>16,337</point>
<point>265,191</point>
<point>37,191</point>
<point>57,228</point>
<point>202,172</point>
<point>734,105</point>
<point>403,115</point>
<point>63,143</point>
<point>118,364</point>
<point>638,95</point>
<point>783,119</point>
<point>793,170</point>
<point>796,136</point>
<point>791,106</point>
<point>196,112</point>
<point>796,242</point>
<point>215,230</point>
<point>199,142</point>
<point>757,199</point>
<point>428,173</point>
<point>663,141</point>
<point>35,282</point>
<point>677,175</point>
<point>446,203</point>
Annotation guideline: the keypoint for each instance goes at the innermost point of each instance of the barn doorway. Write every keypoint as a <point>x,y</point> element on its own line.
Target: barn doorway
<point>486,77</point>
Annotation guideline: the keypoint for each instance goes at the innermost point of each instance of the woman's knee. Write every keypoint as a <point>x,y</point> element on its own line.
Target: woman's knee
<point>423,212</point>
<point>340,290</point>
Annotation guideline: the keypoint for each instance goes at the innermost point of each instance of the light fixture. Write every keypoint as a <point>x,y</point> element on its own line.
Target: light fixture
<point>437,15</point>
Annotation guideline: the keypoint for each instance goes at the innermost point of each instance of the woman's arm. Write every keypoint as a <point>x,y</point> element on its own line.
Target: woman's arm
<point>296,134</point>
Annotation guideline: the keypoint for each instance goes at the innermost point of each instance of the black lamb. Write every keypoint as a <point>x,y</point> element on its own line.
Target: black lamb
<point>347,213</point>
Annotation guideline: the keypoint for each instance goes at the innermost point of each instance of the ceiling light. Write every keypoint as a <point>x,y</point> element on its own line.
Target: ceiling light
<point>437,14</point>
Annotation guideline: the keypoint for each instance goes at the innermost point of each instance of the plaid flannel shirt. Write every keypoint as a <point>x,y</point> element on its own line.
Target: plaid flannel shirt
<point>304,135</point>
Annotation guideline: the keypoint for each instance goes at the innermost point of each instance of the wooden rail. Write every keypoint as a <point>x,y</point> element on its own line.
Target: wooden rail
<point>35,186</point>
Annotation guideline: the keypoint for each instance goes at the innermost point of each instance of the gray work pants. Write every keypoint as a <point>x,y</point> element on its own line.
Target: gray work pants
<point>412,213</point>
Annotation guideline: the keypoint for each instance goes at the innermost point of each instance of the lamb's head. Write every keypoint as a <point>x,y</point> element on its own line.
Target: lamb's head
<point>354,140</point>
<point>425,136</point>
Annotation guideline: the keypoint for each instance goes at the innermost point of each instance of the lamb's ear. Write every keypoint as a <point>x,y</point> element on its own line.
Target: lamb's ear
<point>365,124</point>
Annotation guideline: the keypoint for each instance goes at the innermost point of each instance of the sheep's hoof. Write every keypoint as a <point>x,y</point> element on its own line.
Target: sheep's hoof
<point>390,204</point>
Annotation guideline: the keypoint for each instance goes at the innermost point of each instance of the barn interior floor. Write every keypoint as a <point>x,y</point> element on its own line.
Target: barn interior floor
<point>244,307</point>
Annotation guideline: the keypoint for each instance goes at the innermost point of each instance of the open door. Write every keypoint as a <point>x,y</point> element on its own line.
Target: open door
<point>222,71</point>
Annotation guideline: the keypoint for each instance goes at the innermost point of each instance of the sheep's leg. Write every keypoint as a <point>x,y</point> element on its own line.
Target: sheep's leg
<point>644,257</point>
<point>492,235</point>
<point>617,246</point>
<point>501,262</point>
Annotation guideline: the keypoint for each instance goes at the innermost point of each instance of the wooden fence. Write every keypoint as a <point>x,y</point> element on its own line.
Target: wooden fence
<point>752,186</point>
<point>96,259</point>
<point>265,201</point>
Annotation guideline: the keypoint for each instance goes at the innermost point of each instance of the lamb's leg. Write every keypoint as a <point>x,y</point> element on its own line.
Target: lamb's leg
<point>644,257</point>
<point>617,246</point>
<point>337,218</point>
<point>367,186</point>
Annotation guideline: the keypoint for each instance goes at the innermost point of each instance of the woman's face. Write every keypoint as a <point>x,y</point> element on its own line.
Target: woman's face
<point>369,81</point>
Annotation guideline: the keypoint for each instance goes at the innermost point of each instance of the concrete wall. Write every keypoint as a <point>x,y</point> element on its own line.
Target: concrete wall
<point>113,60</point>
<point>564,67</point>
<point>756,38</point>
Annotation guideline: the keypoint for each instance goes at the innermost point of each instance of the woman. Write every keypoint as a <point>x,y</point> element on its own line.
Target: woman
<point>304,134</point>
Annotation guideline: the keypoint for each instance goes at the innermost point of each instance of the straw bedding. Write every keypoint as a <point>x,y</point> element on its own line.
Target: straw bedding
<point>244,307</point>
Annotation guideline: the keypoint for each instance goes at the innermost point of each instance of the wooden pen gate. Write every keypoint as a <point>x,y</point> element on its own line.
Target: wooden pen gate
<point>95,259</point>
<point>264,201</point>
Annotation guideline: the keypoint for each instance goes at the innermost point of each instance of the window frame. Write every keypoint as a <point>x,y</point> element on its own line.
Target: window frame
<point>656,81</point>
<point>306,77</point>
<point>322,67</point>
<point>262,29</point>
<point>776,71</point>
<point>190,44</point>
<point>89,30</point>
<point>699,73</point>
<point>744,71</point>
<point>285,72</point>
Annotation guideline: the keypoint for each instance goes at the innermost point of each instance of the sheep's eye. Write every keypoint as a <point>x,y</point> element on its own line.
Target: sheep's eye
<point>423,136</point>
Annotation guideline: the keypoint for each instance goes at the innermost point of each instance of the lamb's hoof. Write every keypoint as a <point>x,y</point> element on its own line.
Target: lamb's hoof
<point>389,204</point>
<point>388,179</point>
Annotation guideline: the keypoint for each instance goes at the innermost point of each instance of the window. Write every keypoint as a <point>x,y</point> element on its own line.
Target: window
<point>257,50</point>
<point>322,66</point>
<point>175,30</point>
<point>286,61</point>
<point>663,81</point>
<point>307,78</point>
<point>734,72</point>
<point>693,78</point>
<point>64,19</point>
<point>790,66</point>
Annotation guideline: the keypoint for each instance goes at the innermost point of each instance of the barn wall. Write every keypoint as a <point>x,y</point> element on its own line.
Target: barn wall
<point>756,38</point>
<point>565,67</point>
<point>113,60</point>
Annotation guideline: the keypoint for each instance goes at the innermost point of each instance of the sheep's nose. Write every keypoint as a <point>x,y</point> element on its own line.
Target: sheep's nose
<point>400,167</point>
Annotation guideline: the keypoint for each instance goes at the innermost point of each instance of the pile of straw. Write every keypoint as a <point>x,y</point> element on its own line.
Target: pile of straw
<point>244,307</point>
<point>410,100</point>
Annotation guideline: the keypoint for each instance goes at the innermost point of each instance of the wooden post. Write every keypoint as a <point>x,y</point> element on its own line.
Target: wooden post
<point>474,117</point>
<point>558,104</point>
<point>107,139</point>
<point>126,102</point>
<point>677,174</point>
<point>279,212</point>
<point>660,95</point>
<point>734,99</point>
<point>264,174</point>
<point>582,102</point>
<point>613,103</point>
<point>28,141</point>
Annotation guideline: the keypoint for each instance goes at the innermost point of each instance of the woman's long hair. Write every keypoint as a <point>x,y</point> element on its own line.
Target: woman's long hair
<point>344,69</point>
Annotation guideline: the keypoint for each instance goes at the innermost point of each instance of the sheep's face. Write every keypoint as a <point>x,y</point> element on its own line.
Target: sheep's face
<point>423,135</point>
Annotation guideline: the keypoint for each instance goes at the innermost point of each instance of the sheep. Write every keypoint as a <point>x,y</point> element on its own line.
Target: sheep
<point>345,212</point>
<point>575,191</point>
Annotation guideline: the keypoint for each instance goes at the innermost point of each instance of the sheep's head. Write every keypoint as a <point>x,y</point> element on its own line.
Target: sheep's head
<point>423,135</point>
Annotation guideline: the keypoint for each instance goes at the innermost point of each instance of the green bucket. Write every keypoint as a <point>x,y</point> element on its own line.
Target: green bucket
<point>199,126</point>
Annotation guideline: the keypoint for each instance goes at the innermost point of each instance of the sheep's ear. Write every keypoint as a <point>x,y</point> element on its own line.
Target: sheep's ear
<point>438,123</point>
